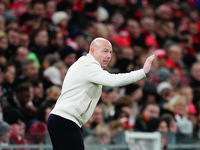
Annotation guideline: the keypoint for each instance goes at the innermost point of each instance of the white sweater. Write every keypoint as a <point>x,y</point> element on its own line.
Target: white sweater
<point>82,88</point>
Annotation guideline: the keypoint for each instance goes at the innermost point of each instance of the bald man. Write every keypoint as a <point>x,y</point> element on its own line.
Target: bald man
<point>81,91</point>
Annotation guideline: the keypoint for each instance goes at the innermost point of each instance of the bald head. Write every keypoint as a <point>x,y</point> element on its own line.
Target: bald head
<point>101,50</point>
<point>99,42</point>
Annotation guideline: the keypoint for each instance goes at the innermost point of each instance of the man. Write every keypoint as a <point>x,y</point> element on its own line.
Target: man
<point>148,111</point>
<point>81,91</point>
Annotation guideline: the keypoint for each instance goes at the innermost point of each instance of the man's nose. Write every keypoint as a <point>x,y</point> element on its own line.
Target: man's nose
<point>109,55</point>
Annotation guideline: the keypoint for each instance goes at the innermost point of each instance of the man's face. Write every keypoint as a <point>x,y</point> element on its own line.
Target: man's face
<point>152,111</point>
<point>31,71</point>
<point>98,115</point>
<point>9,75</point>
<point>102,53</point>
<point>42,38</point>
<point>22,53</point>
<point>13,38</point>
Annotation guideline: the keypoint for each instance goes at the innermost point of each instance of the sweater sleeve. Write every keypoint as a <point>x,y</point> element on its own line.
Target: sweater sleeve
<point>97,75</point>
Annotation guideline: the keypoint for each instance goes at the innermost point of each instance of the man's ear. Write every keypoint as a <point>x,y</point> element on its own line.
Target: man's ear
<point>92,50</point>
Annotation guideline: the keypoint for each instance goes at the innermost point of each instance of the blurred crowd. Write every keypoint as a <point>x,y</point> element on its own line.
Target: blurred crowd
<point>41,39</point>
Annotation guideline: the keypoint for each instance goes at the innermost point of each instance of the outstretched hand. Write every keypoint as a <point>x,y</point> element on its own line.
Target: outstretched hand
<point>147,64</point>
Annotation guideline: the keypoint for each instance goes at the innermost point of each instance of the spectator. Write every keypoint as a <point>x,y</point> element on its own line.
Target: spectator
<point>13,41</point>
<point>195,82</point>
<point>107,100</point>
<point>29,71</point>
<point>50,6</point>
<point>4,133</point>
<point>148,111</point>
<point>97,117</point>
<point>101,135</point>
<point>68,55</point>
<point>53,92</point>
<point>17,125</point>
<point>38,91</point>
<point>20,55</point>
<point>124,112</point>
<point>37,8</point>
<point>8,94</point>
<point>175,57</point>
<point>164,90</point>
<point>39,46</point>
<point>60,20</point>
<point>175,78</point>
<point>24,96</point>
<point>178,106</point>
<point>160,125</point>
<point>135,92</point>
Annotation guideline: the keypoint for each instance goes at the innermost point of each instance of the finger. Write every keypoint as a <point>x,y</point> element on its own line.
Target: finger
<point>151,58</point>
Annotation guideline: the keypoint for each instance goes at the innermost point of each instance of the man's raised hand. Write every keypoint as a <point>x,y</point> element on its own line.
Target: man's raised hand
<point>147,64</point>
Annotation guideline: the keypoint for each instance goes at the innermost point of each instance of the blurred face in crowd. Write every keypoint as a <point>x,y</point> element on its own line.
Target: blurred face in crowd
<point>54,93</point>
<point>151,111</point>
<point>108,97</point>
<point>2,9</point>
<point>9,75</point>
<point>163,126</point>
<point>148,24</point>
<point>5,138</point>
<point>18,128</point>
<point>42,38</point>
<point>38,91</point>
<point>97,115</point>
<point>133,27</point>
<point>164,12</point>
<point>13,38</point>
<point>59,39</point>
<point>195,71</point>
<point>38,9</point>
<point>24,40</point>
<point>175,78</point>
<point>179,105</point>
<point>170,28</point>
<point>2,24</point>
<point>3,43</point>
<point>188,93</point>
<point>51,7</point>
<point>31,70</point>
<point>101,50</point>
<point>117,20</point>
<point>23,97</point>
<point>127,52</point>
<point>180,108</point>
<point>3,60</point>
<point>21,54</point>
<point>81,41</point>
<point>175,53</point>
<point>12,25</point>
<point>63,23</point>
<point>110,30</point>
<point>147,11</point>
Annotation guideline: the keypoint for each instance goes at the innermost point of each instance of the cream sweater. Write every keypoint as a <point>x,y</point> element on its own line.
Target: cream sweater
<point>82,88</point>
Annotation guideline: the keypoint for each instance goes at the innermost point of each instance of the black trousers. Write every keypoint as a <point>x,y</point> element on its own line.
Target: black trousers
<point>64,134</point>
